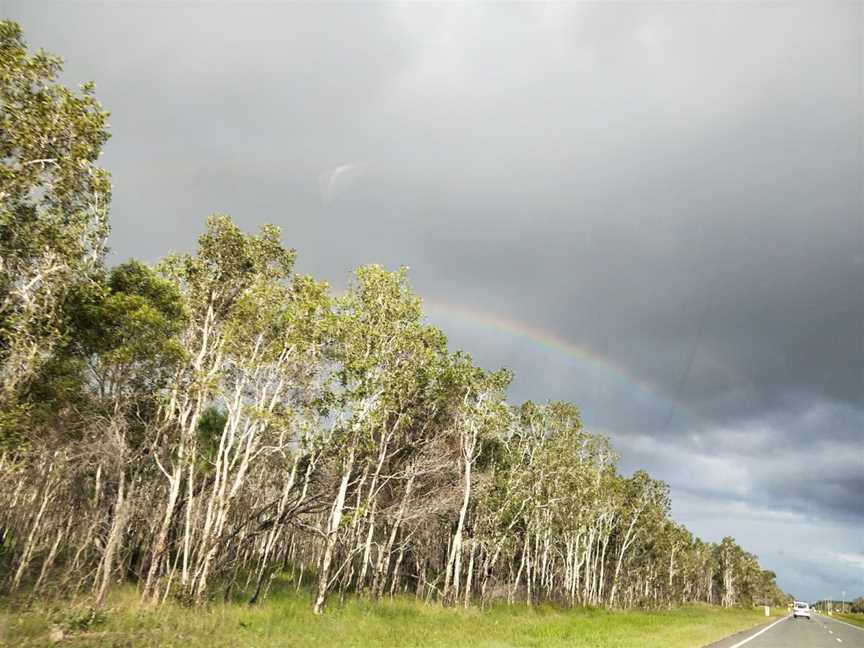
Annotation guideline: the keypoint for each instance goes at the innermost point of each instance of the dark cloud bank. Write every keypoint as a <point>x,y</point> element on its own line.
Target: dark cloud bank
<point>676,187</point>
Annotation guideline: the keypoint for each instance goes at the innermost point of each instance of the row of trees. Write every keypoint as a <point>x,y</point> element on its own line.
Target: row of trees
<point>205,424</point>
<point>855,607</point>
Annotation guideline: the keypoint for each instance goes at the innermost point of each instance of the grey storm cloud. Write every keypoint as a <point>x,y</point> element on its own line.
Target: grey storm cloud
<point>674,187</point>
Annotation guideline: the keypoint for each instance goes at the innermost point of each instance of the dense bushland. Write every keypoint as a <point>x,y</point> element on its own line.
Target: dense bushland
<point>199,426</point>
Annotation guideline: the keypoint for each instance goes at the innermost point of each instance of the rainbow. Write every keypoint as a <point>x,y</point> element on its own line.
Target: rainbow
<point>536,335</point>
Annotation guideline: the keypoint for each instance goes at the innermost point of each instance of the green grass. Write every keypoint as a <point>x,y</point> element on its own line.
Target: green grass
<point>854,619</point>
<point>285,620</point>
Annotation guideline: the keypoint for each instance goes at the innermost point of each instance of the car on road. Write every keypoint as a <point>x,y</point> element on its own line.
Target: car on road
<point>800,610</point>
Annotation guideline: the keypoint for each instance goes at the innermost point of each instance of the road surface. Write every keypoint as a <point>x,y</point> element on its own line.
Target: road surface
<point>820,632</point>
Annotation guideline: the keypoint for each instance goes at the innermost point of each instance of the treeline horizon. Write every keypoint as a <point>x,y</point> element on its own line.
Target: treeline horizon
<point>203,425</point>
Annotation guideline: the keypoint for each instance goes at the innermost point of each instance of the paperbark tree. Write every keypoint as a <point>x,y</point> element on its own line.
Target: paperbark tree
<point>53,213</point>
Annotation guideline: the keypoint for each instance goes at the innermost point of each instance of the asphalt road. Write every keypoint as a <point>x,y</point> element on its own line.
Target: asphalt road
<point>820,632</point>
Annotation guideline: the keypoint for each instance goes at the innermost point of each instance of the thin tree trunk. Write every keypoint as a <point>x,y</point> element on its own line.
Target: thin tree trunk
<point>333,534</point>
<point>121,515</point>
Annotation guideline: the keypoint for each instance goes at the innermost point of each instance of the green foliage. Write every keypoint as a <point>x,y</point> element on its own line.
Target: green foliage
<point>129,325</point>
<point>119,341</point>
<point>228,263</point>
<point>210,427</point>
<point>51,139</point>
<point>53,214</point>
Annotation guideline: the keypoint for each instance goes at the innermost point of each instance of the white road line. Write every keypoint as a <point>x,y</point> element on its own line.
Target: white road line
<point>750,638</point>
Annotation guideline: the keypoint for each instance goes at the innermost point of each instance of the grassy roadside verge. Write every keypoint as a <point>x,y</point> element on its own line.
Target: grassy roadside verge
<point>286,620</point>
<point>854,619</point>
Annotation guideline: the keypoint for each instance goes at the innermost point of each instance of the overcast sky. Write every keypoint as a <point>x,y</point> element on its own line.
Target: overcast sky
<point>675,189</point>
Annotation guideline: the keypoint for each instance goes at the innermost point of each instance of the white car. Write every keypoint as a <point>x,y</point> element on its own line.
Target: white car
<point>800,610</point>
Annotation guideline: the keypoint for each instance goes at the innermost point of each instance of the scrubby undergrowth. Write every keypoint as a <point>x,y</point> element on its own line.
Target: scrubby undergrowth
<point>285,619</point>
<point>854,619</point>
